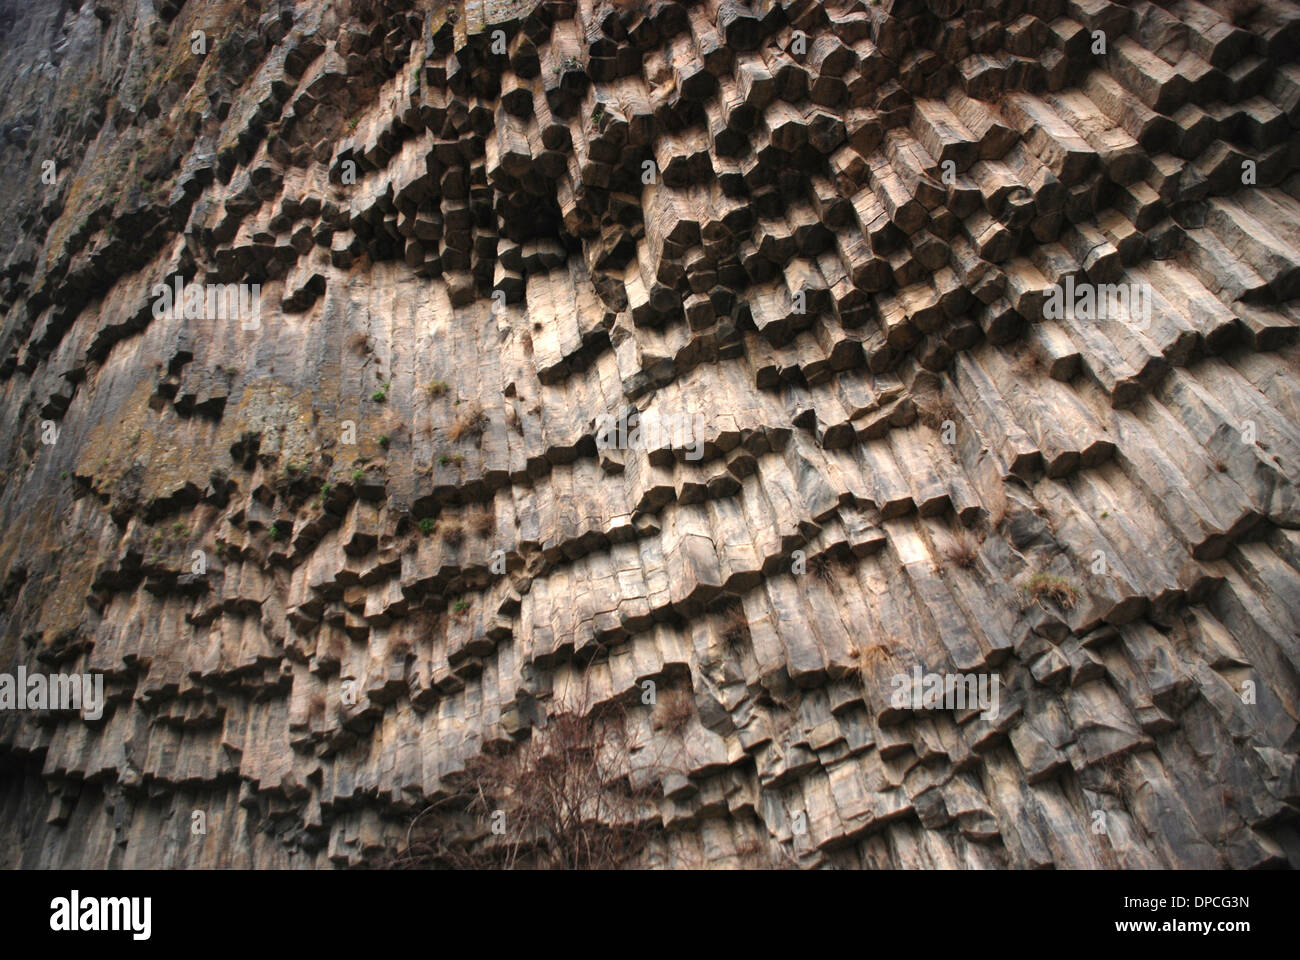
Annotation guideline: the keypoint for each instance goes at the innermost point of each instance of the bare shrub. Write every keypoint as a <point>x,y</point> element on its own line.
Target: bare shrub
<point>563,798</point>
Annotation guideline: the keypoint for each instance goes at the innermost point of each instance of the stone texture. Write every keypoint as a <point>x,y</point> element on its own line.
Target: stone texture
<point>461,269</point>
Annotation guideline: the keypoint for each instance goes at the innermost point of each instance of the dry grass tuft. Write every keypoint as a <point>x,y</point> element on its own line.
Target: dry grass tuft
<point>823,568</point>
<point>1048,585</point>
<point>453,533</point>
<point>1120,775</point>
<point>673,711</point>
<point>359,343</point>
<point>750,849</point>
<point>484,521</point>
<point>734,626</point>
<point>872,655</point>
<point>469,422</point>
<point>933,409</point>
<point>963,550</point>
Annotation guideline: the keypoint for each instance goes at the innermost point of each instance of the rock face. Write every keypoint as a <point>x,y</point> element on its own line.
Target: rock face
<point>982,315</point>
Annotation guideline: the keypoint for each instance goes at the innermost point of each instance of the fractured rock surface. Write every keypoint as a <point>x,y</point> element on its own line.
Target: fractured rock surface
<point>325,558</point>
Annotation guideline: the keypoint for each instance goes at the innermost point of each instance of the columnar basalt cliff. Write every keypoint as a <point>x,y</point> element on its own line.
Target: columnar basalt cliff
<point>985,310</point>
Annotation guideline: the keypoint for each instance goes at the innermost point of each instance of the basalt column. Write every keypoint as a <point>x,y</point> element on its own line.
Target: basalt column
<point>975,541</point>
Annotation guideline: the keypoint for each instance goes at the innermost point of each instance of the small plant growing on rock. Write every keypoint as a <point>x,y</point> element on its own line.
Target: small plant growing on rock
<point>359,343</point>
<point>380,395</point>
<point>963,550</point>
<point>426,525</point>
<point>384,440</point>
<point>871,655</point>
<point>459,607</point>
<point>823,568</point>
<point>484,522</point>
<point>734,627</point>
<point>275,532</point>
<point>179,529</point>
<point>453,533</point>
<point>933,409</point>
<point>436,388</point>
<point>1118,775</point>
<point>673,711</point>
<point>358,475</point>
<point>566,791</point>
<point>1057,588</point>
<point>469,422</point>
<point>325,488</point>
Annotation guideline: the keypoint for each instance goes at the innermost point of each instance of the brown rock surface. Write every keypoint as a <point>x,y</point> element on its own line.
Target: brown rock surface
<point>329,557</point>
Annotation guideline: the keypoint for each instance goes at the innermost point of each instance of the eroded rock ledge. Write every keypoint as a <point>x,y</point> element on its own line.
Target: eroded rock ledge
<point>462,268</point>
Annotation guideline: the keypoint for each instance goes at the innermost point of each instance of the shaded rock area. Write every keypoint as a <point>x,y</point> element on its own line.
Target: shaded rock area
<point>326,555</point>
